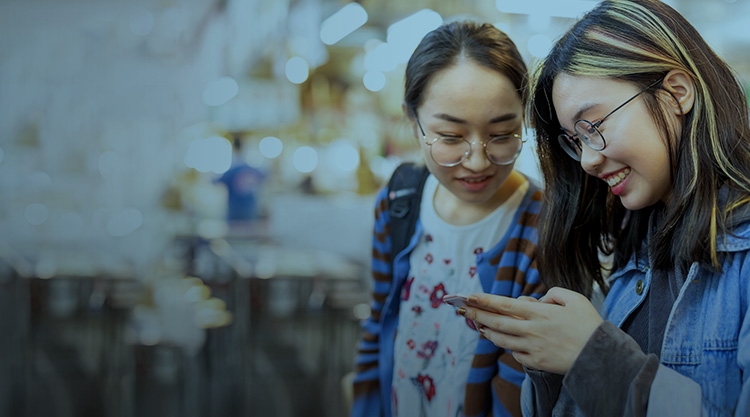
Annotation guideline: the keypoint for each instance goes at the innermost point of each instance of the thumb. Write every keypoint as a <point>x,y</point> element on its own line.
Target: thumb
<point>560,296</point>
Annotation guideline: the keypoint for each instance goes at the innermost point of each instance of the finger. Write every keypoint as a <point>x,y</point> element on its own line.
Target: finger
<point>527,298</point>
<point>498,322</point>
<point>518,356</point>
<point>561,296</point>
<point>503,340</point>
<point>507,305</point>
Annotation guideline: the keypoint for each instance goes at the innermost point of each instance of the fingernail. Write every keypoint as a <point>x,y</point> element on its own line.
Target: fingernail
<point>473,299</point>
<point>481,330</point>
<point>462,311</point>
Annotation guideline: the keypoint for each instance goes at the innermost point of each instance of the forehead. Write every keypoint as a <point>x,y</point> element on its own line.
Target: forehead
<point>468,87</point>
<point>571,93</point>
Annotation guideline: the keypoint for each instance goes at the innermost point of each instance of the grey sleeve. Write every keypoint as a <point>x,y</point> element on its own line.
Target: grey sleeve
<point>612,376</point>
<point>539,393</point>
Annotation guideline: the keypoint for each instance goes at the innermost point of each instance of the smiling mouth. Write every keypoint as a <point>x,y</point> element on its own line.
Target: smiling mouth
<point>475,180</point>
<point>617,178</point>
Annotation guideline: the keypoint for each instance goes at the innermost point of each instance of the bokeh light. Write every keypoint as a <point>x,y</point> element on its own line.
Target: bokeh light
<point>213,154</point>
<point>124,222</point>
<point>141,22</point>
<point>297,70</point>
<point>345,21</point>
<point>305,159</point>
<point>374,80</point>
<point>220,91</point>
<point>342,156</point>
<point>271,147</point>
<point>539,45</point>
<point>36,213</point>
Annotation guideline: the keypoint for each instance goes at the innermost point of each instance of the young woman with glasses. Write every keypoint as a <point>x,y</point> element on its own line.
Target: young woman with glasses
<point>644,143</point>
<point>465,92</point>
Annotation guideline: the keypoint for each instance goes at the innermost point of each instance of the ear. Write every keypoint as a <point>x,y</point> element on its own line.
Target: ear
<point>681,87</point>
<point>412,121</point>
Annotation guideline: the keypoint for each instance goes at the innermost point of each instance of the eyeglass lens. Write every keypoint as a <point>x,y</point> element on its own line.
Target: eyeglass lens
<point>452,151</point>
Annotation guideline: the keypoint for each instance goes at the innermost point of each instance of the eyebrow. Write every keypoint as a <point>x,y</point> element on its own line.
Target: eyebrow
<point>498,119</point>
<point>582,110</point>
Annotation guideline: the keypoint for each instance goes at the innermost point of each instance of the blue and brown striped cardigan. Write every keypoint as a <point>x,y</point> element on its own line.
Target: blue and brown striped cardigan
<point>509,268</point>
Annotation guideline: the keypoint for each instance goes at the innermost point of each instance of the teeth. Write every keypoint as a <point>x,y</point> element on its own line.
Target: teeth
<point>475,179</point>
<point>617,178</point>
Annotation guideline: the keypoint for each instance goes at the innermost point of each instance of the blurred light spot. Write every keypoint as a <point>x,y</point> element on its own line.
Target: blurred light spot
<point>70,226</point>
<point>141,22</point>
<point>220,91</point>
<point>36,213</point>
<point>46,267</point>
<point>539,45</point>
<point>109,164</point>
<point>405,35</point>
<point>212,154</point>
<point>305,159</point>
<point>361,311</point>
<point>381,58</point>
<point>539,21</point>
<point>374,80</point>
<point>197,293</point>
<point>559,8</point>
<point>211,229</point>
<point>344,157</point>
<point>40,179</point>
<point>342,23</point>
<point>271,147</point>
<point>124,222</point>
<point>265,268</point>
<point>297,70</point>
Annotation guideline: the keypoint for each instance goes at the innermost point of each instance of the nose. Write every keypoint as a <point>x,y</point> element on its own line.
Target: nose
<point>477,160</point>
<point>590,159</point>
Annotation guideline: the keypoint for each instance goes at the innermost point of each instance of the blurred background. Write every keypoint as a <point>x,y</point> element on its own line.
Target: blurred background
<point>187,188</point>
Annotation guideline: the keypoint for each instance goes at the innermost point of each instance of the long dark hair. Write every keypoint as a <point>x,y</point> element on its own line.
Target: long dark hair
<point>445,46</point>
<point>640,41</point>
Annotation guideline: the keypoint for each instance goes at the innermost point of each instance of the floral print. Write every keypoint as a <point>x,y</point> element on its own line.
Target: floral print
<point>407,289</point>
<point>428,349</point>
<point>428,386</point>
<point>436,298</point>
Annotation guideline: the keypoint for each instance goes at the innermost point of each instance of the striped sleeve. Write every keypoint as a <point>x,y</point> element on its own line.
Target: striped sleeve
<point>494,385</point>
<point>367,396</point>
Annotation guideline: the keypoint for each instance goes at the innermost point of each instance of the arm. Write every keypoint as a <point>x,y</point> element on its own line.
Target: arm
<point>367,390</point>
<point>633,383</point>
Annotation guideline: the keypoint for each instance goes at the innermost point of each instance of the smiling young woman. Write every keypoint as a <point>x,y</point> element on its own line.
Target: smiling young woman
<point>465,94</point>
<point>644,144</point>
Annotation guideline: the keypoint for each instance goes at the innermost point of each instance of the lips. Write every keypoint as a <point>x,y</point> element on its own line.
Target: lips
<point>475,184</point>
<point>614,179</point>
<point>475,180</point>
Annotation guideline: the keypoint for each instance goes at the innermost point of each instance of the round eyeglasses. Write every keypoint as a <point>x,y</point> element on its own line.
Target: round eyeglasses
<point>450,151</point>
<point>589,133</point>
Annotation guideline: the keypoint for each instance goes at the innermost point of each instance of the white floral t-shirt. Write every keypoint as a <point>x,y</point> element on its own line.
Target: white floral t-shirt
<point>434,346</point>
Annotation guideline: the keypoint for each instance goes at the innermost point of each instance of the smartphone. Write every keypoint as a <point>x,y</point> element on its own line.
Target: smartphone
<point>456,300</point>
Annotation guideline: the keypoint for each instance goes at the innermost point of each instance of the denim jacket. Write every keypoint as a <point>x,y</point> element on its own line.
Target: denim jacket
<point>705,358</point>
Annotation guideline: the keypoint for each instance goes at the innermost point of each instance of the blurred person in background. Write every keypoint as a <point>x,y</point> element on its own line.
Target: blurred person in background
<point>644,143</point>
<point>465,92</point>
<point>243,184</point>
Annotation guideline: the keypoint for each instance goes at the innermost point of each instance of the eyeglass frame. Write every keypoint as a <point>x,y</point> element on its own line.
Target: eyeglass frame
<point>572,138</point>
<point>471,146</point>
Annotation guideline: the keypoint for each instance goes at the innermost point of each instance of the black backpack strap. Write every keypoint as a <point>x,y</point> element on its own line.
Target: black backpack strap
<point>404,197</point>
